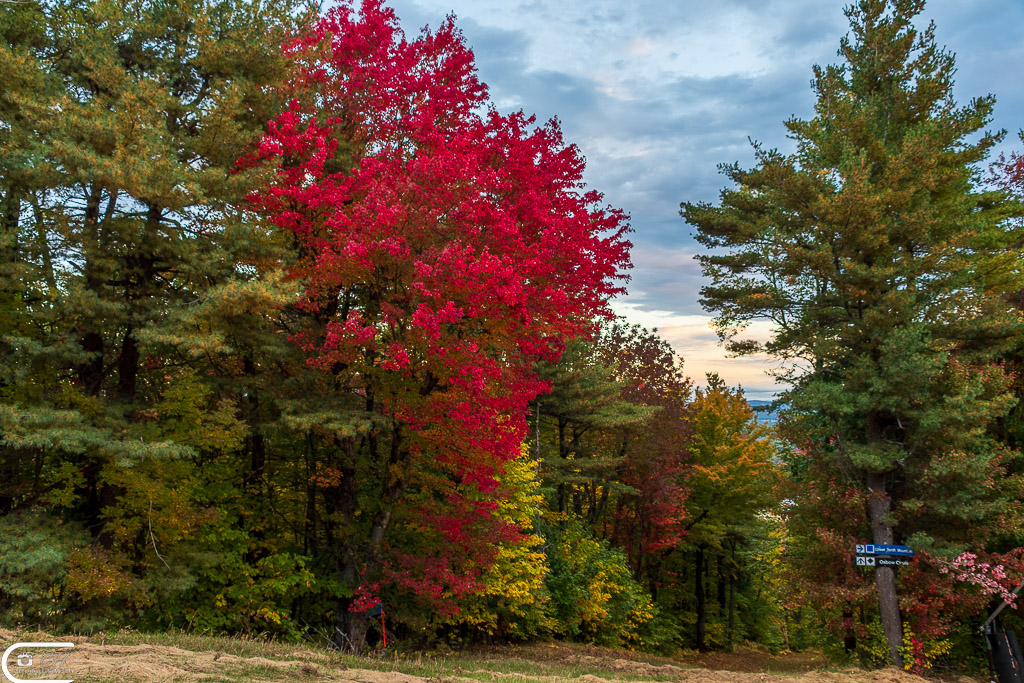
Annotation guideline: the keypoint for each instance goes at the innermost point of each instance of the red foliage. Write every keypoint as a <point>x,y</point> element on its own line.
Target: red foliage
<point>444,247</point>
<point>828,520</point>
<point>653,520</point>
<point>1008,173</point>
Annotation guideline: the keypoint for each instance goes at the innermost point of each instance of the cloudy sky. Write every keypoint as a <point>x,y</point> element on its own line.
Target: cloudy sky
<point>657,94</point>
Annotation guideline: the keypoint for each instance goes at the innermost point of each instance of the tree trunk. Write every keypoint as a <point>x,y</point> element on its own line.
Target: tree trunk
<point>562,454</point>
<point>350,631</point>
<point>732,596</point>
<point>256,444</point>
<point>850,637</point>
<point>44,247</point>
<point>351,627</point>
<point>360,561</point>
<point>698,582</point>
<point>128,365</point>
<point>785,629</point>
<point>721,584</point>
<point>879,506</point>
<point>339,520</point>
<point>90,373</point>
<point>310,538</point>
<point>9,230</point>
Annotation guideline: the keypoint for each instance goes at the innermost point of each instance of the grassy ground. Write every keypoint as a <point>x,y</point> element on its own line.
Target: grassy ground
<point>128,656</point>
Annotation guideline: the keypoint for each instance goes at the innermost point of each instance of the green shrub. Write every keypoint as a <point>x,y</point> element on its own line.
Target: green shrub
<point>594,596</point>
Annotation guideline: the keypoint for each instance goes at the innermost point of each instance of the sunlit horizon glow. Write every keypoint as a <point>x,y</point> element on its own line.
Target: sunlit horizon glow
<point>693,337</point>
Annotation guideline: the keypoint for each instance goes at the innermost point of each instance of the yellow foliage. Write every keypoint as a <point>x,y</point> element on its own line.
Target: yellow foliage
<point>514,598</point>
<point>919,655</point>
<point>593,591</point>
<point>95,573</point>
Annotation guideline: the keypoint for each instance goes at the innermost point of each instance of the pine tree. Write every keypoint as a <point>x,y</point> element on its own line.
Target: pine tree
<point>584,425</point>
<point>876,256</point>
<point>126,255</point>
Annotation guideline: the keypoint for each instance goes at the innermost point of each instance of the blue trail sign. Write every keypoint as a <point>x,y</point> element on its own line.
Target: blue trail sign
<point>870,549</point>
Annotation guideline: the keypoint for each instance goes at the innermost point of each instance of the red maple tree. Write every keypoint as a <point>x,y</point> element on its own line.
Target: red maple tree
<point>441,249</point>
<point>650,522</point>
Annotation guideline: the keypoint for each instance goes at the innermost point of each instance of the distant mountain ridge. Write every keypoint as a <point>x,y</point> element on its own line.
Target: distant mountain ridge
<point>763,413</point>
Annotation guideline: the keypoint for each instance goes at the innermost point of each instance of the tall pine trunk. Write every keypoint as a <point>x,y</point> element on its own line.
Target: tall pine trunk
<point>879,506</point>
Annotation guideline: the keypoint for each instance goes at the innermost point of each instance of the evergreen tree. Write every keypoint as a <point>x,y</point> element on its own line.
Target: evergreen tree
<point>584,426</point>
<point>876,256</point>
<point>125,256</point>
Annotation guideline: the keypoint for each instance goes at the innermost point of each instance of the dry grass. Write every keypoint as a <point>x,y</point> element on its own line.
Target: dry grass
<point>190,657</point>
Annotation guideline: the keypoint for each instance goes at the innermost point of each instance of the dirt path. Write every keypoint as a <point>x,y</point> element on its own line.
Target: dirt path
<point>225,659</point>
